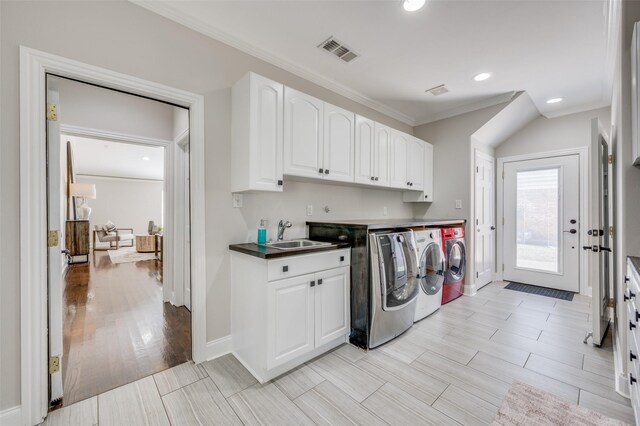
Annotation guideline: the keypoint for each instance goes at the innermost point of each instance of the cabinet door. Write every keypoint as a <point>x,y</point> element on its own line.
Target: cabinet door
<point>303,134</point>
<point>415,164</point>
<point>338,147</point>
<point>398,163</point>
<point>382,145</point>
<point>290,323</point>
<point>428,172</point>
<point>365,151</point>
<point>267,108</point>
<point>332,310</point>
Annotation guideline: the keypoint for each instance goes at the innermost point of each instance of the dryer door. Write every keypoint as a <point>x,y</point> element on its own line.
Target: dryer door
<point>456,260</point>
<point>431,269</point>
<point>398,270</point>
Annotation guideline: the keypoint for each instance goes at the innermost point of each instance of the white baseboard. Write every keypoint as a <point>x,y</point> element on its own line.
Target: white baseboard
<point>217,348</point>
<point>470,290</point>
<point>11,416</point>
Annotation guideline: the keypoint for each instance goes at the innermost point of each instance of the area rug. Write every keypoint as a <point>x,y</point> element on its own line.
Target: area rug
<point>129,254</point>
<point>525,405</point>
<point>540,291</point>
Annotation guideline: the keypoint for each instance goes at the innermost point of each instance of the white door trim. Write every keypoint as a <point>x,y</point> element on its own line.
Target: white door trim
<point>34,65</point>
<point>583,156</point>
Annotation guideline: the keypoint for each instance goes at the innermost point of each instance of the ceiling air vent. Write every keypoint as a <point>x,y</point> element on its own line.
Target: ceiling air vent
<point>338,49</point>
<point>438,90</point>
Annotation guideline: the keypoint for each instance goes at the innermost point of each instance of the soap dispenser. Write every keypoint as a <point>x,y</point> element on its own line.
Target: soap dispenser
<point>262,232</point>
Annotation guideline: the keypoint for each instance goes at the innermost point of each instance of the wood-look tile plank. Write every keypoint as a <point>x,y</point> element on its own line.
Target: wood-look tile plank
<point>594,383</point>
<point>266,405</point>
<point>229,374</point>
<point>422,386</point>
<point>444,346</point>
<point>509,373</point>
<point>178,376</point>
<point>507,353</point>
<point>481,329</point>
<point>473,381</point>
<point>137,403</point>
<point>350,352</point>
<point>83,413</point>
<point>403,349</point>
<point>519,329</point>
<point>397,407</point>
<point>349,378</point>
<point>199,403</point>
<point>576,344</point>
<point>561,317</point>
<point>297,381</point>
<point>465,407</point>
<point>598,366</point>
<point>557,353</point>
<point>327,405</point>
<point>615,410</point>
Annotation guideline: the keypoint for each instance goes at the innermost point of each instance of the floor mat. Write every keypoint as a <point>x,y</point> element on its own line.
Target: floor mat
<point>540,291</point>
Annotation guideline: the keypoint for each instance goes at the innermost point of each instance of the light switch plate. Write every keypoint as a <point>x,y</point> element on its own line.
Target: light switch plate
<point>385,210</point>
<point>309,210</point>
<point>237,200</point>
<point>458,204</point>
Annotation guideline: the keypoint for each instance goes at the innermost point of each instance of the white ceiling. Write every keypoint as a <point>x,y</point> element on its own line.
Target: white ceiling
<point>115,159</point>
<point>546,48</point>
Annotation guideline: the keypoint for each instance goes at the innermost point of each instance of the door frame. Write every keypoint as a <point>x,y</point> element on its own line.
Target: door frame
<point>583,163</point>
<point>34,65</point>
<point>476,154</point>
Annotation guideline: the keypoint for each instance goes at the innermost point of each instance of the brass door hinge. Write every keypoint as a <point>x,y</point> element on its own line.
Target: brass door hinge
<point>54,364</point>
<point>52,112</point>
<point>612,303</point>
<point>610,158</point>
<point>611,231</point>
<point>52,239</point>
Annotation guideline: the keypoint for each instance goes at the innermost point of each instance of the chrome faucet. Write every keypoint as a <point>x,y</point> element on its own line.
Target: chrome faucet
<point>282,226</point>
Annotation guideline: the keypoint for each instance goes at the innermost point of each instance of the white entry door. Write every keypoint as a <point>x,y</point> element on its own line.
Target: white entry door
<point>542,222</point>
<point>485,219</point>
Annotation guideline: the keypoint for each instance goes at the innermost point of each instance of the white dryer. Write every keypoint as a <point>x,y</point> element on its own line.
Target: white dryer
<point>431,268</point>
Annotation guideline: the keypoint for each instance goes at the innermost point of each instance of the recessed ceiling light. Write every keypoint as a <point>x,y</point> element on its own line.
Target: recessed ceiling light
<point>412,5</point>
<point>482,76</point>
<point>554,100</point>
<point>146,158</point>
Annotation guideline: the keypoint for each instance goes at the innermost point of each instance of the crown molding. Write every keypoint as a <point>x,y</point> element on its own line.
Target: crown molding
<point>170,12</point>
<point>463,109</point>
<point>578,108</point>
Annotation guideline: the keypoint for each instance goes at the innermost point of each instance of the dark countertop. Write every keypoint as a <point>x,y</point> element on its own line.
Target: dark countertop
<point>635,262</point>
<point>266,252</point>
<point>387,223</point>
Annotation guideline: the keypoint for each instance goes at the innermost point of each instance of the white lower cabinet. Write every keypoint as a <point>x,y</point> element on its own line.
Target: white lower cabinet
<point>631,294</point>
<point>302,312</point>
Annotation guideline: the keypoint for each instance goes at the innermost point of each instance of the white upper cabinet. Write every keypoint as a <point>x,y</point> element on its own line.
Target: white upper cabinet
<point>426,192</point>
<point>303,134</point>
<point>257,133</point>
<point>415,164</point>
<point>398,164</point>
<point>339,134</point>
<point>365,150</point>
<point>382,146</point>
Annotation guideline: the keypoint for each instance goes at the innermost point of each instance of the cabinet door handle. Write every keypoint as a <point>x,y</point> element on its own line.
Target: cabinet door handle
<point>632,356</point>
<point>312,283</point>
<point>626,279</point>
<point>625,297</point>
<point>341,258</point>
<point>372,178</point>
<point>320,171</point>
<point>285,268</point>
<point>376,178</point>
<point>319,281</point>
<point>280,182</point>
<point>632,379</point>
<point>637,316</point>
<point>631,294</point>
<point>326,172</point>
<point>631,326</point>
<point>408,183</point>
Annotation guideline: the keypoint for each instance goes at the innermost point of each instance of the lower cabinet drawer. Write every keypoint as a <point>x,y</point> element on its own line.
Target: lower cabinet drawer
<point>293,266</point>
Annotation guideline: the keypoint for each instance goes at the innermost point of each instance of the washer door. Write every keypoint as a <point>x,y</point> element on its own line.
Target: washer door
<point>398,271</point>
<point>456,264</point>
<point>431,269</point>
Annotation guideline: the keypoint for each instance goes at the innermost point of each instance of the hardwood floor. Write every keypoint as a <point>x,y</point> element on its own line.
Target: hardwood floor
<point>454,367</point>
<point>116,327</point>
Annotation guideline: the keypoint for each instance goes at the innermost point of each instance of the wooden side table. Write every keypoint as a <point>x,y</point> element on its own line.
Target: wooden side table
<point>145,243</point>
<point>77,239</point>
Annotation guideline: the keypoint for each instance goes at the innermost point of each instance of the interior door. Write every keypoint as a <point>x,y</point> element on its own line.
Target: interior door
<point>365,152</point>
<point>542,222</point>
<point>55,223</point>
<point>303,134</point>
<point>332,305</point>
<point>485,219</point>
<point>338,143</point>
<point>599,232</point>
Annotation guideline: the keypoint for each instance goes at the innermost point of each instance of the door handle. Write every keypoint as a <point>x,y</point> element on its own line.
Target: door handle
<point>605,249</point>
<point>572,221</point>
<point>493,228</point>
<point>571,231</point>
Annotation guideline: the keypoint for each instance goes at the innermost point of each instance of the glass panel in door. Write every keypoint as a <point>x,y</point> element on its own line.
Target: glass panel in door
<point>537,221</point>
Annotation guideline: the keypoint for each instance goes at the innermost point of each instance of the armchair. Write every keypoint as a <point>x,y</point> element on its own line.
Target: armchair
<point>114,238</point>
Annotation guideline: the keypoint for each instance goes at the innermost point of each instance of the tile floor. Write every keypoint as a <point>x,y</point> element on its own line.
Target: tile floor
<point>454,367</point>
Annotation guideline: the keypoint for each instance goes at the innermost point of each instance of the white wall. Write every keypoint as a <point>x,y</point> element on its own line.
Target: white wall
<point>148,46</point>
<point>128,203</point>
<point>552,134</point>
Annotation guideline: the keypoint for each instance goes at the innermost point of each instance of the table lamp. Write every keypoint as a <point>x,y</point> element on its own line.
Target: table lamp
<point>84,191</point>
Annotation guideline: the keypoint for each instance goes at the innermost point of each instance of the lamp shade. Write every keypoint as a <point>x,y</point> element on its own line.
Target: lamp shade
<point>86,190</point>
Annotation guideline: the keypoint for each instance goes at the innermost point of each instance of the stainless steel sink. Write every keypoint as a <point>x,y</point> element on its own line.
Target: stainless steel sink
<point>297,244</point>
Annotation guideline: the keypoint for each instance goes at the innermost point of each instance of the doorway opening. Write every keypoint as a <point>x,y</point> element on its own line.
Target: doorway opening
<point>119,279</point>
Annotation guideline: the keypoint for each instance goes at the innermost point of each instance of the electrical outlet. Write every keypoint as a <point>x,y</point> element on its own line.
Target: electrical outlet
<point>309,210</point>
<point>237,200</point>
<point>458,204</point>
<point>385,210</point>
